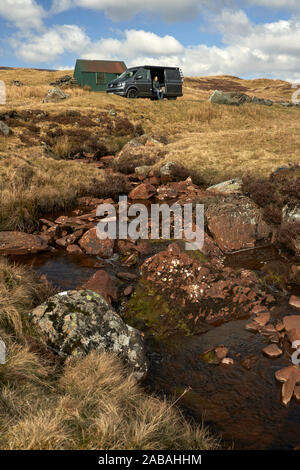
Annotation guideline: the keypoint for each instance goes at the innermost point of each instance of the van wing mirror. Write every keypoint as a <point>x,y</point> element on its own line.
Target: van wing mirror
<point>139,77</point>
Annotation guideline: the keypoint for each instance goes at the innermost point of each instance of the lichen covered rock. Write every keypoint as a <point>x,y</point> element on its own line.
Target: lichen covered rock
<point>77,322</point>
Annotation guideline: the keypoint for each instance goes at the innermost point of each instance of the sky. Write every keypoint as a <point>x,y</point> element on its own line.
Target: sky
<point>244,38</point>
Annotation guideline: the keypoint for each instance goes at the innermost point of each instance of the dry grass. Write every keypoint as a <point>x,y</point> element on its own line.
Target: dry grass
<point>95,404</point>
<point>20,291</point>
<point>31,186</point>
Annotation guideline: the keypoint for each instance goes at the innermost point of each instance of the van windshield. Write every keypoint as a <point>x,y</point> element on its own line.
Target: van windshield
<point>127,74</point>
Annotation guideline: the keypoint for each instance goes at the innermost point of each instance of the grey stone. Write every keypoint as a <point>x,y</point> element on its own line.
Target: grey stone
<point>236,99</point>
<point>2,352</point>
<point>167,169</point>
<point>142,170</point>
<point>54,95</point>
<point>4,129</point>
<point>220,97</point>
<point>291,214</point>
<point>76,322</point>
<point>228,187</point>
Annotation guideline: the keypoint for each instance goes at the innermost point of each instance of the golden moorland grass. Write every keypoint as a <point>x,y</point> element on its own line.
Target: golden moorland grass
<point>89,403</point>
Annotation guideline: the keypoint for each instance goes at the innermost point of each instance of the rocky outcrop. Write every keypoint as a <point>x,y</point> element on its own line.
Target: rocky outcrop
<point>77,322</point>
<point>236,223</point>
<point>19,243</point>
<point>236,99</point>
<point>179,291</point>
<point>54,95</point>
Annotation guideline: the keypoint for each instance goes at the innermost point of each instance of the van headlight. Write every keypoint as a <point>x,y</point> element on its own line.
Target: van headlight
<point>121,85</point>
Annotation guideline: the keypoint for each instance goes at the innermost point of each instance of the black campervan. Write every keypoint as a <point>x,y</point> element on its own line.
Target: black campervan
<point>137,82</point>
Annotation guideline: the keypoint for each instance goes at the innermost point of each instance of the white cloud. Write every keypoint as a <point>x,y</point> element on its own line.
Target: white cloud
<point>118,10</point>
<point>23,13</point>
<point>51,44</point>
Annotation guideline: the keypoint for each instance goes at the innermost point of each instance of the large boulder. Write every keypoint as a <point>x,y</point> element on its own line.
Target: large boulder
<point>19,243</point>
<point>236,223</point>
<point>234,98</point>
<point>179,292</point>
<point>76,322</point>
<point>4,129</point>
<point>54,95</point>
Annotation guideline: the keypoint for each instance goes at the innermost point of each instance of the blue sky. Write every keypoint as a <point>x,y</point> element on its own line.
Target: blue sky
<point>250,38</point>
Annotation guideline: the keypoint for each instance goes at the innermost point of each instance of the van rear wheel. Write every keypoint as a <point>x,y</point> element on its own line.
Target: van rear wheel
<point>132,93</point>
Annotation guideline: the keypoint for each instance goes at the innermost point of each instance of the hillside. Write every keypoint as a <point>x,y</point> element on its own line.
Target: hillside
<point>211,327</point>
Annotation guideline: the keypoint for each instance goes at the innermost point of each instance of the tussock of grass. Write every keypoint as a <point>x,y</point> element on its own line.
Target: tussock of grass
<point>95,405</point>
<point>31,187</point>
<point>20,291</point>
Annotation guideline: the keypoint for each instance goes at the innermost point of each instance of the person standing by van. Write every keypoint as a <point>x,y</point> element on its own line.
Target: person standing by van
<point>157,89</point>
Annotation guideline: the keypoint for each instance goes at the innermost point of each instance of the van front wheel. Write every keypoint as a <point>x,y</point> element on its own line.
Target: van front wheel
<point>132,93</point>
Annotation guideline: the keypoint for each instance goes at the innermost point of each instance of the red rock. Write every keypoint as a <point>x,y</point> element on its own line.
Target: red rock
<point>268,329</point>
<point>249,362</point>
<point>102,283</point>
<point>19,243</point>
<point>166,192</point>
<point>263,318</point>
<point>290,376</point>
<point>236,223</point>
<point>142,191</point>
<point>297,395</point>
<point>279,326</point>
<point>214,294</point>
<point>253,326</point>
<point>74,250</point>
<point>272,351</point>
<point>128,290</point>
<point>47,222</point>
<point>126,276</point>
<point>292,322</point>
<point>154,181</point>
<point>295,301</point>
<point>293,335</point>
<point>93,245</point>
<point>221,352</point>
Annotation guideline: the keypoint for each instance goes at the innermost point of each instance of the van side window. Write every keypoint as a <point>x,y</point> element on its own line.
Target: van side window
<point>145,73</point>
<point>172,74</point>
